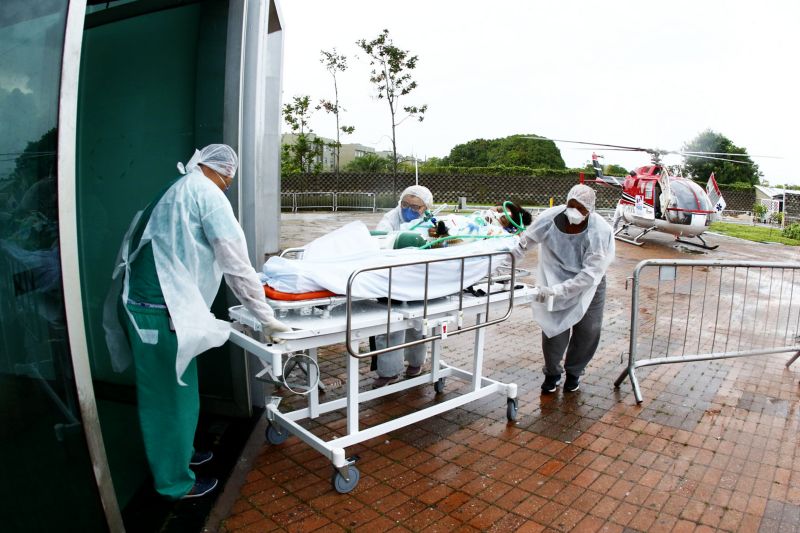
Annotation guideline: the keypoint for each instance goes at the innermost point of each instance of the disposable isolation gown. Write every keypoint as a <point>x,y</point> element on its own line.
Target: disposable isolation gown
<point>195,239</point>
<point>573,265</point>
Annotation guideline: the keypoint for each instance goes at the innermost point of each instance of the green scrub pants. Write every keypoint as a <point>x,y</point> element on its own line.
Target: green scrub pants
<point>168,412</point>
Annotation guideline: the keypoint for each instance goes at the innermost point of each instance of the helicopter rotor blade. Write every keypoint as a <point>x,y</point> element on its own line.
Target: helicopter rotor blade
<point>632,148</point>
<point>611,149</point>
<point>721,159</point>
<point>726,153</point>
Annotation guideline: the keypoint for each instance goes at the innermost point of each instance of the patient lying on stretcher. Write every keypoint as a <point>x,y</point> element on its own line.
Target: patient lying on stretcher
<point>432,231</point>
<point>499,221</point>
<point>328,262</point>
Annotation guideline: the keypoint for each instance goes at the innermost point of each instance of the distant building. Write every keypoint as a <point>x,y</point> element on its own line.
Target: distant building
<point>772,197</point>
<point>351,151</point>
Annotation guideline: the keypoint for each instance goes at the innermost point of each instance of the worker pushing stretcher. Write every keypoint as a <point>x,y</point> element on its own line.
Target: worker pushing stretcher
<point>575,248</point>
<point>176,251</point>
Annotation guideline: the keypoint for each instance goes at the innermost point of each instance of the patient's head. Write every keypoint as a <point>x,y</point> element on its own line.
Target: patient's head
<point>518,214</point>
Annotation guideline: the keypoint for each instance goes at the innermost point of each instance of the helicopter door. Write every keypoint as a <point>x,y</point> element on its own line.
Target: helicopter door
<point>664,193</point>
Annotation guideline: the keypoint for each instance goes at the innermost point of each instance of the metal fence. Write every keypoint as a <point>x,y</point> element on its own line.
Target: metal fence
<point>324,200</point>
<point>686,311</point>
<point>355,201</point>
<point>315,200</point>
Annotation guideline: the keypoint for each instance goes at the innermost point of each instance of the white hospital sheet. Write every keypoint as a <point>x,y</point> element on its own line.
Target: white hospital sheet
<point>328,262</point>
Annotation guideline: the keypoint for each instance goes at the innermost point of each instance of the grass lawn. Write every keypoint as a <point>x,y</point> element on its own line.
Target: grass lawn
<point>753,233</point>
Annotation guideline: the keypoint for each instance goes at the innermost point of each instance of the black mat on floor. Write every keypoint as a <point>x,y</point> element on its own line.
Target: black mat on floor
<point>148,512</point>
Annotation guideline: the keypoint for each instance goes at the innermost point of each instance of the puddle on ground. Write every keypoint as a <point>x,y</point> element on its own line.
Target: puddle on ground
<point>687,249</point>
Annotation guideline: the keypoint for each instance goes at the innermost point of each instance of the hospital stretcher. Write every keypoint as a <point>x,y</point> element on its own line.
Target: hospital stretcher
<point>343,319</point>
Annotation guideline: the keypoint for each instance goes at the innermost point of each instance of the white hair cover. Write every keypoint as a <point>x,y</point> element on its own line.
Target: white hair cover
<point>219,157</point>
<point>584,194</point>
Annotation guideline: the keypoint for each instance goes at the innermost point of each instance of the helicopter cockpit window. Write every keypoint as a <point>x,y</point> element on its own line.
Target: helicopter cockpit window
<point>649,190</point>
<point>687,196</point>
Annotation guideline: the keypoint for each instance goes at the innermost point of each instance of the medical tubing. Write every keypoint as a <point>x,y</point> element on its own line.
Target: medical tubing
<point>520,227</point>
<point>452,237</point>
<point>426,217</point>
<point>429,215</point>
<point>311,386</point>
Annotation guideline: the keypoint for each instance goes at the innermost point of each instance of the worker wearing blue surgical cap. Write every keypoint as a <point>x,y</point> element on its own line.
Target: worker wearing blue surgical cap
<point>169,269</point>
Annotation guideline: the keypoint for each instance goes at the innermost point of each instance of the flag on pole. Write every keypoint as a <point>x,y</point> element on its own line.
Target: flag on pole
<point>715,195</point>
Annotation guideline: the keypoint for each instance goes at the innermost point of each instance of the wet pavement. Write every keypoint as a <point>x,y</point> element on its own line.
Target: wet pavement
<point>713,447</point>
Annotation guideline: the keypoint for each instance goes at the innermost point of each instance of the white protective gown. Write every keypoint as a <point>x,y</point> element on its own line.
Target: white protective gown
<point>196,239</point>
<point>391,220</point>
<point>572,265</point>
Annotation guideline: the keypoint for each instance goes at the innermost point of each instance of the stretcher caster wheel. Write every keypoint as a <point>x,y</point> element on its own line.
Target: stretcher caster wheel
<point>342,485</point>
<point>511,409</point>
<point>276,435</point>
<point>438,386</point>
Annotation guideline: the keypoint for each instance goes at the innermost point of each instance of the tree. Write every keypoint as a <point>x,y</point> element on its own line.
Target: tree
<point>305,153</point>
<point>516,150</point>
<point>335,63</point>
<point>369,163</point>
<point>391,76</point>
<point>725,172</point>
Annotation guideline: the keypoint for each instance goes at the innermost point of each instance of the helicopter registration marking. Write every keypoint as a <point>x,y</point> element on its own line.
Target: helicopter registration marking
<point>641,209</point>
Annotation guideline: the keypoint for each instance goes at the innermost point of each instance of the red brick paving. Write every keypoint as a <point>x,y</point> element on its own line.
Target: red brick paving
<point>688,459</point>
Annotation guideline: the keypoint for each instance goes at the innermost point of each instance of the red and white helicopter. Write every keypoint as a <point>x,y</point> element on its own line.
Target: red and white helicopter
<point>657,197</point>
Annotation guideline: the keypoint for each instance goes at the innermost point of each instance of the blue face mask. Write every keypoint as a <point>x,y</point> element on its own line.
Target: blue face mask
<point>409,214</point>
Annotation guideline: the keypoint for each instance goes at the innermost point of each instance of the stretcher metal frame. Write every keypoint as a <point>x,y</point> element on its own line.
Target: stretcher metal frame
<point>357,321</point>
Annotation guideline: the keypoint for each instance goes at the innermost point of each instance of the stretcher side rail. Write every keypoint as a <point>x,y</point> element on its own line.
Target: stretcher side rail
<point>359,320</point>
<point>442,324</point>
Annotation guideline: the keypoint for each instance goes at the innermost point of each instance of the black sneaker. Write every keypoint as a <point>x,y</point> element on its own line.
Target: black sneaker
<point>550,384</point>
<point>413,371</point>
<point>201,487</point>
<point>199,458</point>
<point>380,382</point>
<point>572,383</point>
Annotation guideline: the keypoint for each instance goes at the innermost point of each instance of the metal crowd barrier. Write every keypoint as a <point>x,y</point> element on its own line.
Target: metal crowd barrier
<point>315,200</point>
<point>686,311</point>
<point>355,200</point>
<point>288,201</point>
<point>294,201</point>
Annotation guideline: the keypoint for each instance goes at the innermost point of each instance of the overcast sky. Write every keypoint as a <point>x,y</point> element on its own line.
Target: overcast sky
<point>638,73</point>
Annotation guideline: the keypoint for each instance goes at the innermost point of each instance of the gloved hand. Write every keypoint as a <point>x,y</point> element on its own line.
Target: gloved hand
<point>544,293</point>
<point>273,326</point>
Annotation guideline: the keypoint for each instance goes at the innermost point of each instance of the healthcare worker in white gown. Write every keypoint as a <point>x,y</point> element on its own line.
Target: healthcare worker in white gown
<point>169,269</point>
<point>576,247</point>
<point>412,205</point>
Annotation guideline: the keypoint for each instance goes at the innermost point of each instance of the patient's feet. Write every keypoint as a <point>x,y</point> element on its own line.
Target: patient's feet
<point>381,381</point>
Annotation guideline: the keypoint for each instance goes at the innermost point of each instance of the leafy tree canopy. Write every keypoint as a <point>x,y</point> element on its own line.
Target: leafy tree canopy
<point>725,172</point>
<point>391,77</point>
<point>517,150</point>
<point>369,163</point>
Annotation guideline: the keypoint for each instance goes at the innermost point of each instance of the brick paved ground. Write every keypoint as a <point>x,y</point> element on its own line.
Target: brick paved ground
<point>712,448</point>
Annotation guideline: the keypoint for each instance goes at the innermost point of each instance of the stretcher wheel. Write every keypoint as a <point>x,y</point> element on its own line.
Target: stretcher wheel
<point>343,486</point>
<point>276,435</point>
<point>511,409</point>
<point>438,386</point>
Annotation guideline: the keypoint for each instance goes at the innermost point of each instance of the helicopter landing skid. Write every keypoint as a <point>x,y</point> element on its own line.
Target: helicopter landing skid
<point>626,236</point>
<point>702,244</point>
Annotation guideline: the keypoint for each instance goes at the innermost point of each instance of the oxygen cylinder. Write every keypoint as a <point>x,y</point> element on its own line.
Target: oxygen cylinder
<point>398,239</point>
